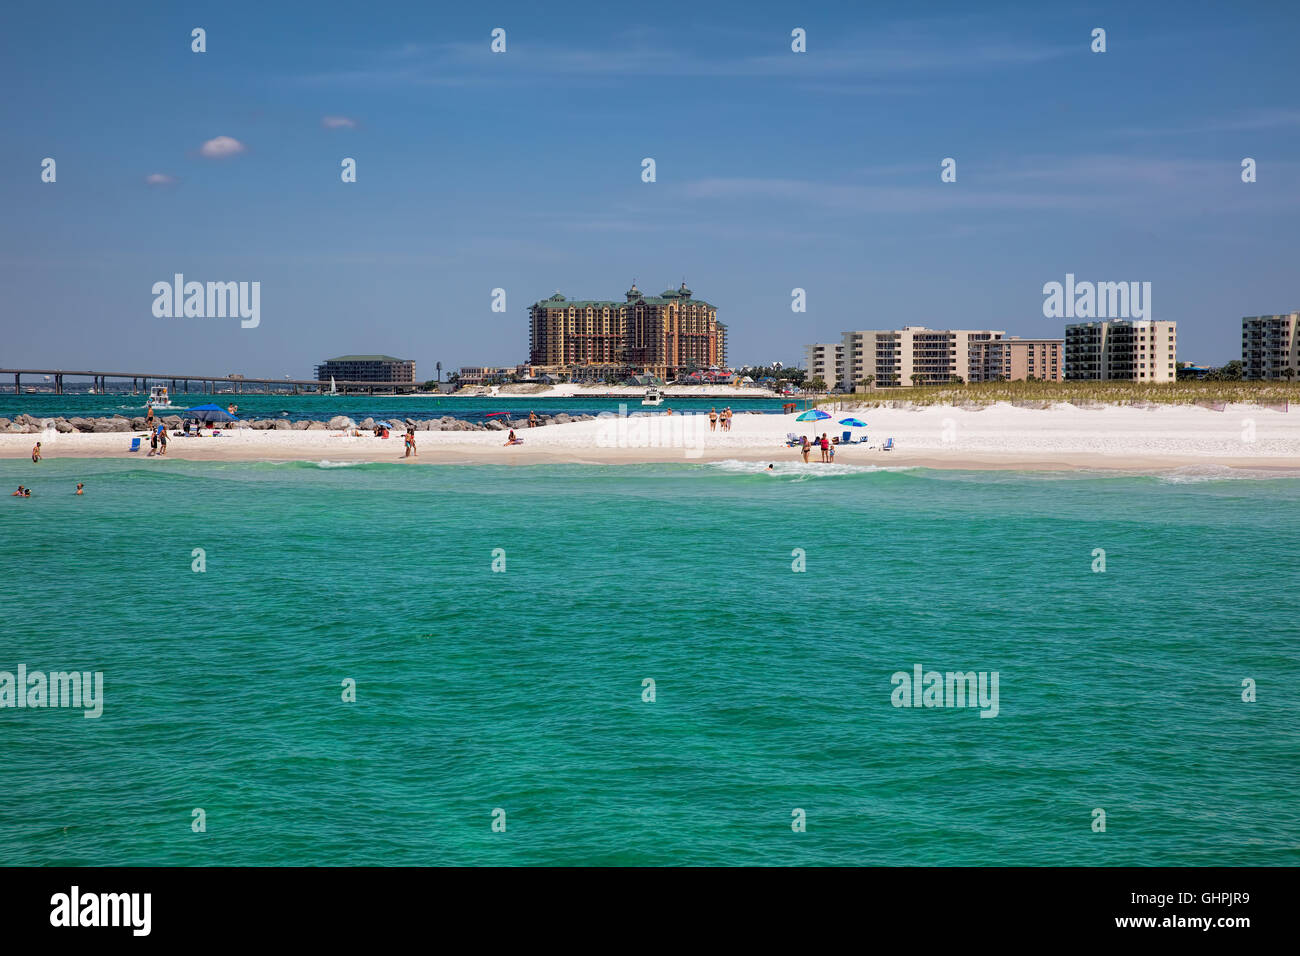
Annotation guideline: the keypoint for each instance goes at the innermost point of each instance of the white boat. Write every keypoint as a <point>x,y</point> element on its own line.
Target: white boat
<point>333,388</point>
<point>652,396</point>
<point>159,398</point>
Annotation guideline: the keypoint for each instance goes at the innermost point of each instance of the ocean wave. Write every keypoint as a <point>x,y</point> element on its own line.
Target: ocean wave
<point>1197,474</point>
<point>326,463</point>
<point>798,469</point>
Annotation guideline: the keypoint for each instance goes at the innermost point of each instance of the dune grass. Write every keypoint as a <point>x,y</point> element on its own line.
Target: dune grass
<point>1187,392</point>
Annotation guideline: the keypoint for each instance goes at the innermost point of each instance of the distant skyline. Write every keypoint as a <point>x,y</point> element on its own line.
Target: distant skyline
<point>522,171</point>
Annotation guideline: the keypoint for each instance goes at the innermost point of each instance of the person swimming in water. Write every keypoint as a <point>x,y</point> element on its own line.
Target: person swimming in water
<point>18,493</point>
<point>80,485</point>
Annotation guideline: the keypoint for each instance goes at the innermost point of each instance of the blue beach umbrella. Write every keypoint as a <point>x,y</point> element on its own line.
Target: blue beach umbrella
<point>210,413</point>
<point>853,422</point>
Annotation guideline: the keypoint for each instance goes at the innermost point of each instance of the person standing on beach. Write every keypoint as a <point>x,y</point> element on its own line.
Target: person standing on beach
<point>36,453</point>
<point>713,419</point>
<point>830,450</point>
<point>162,439</point>
<point>805,449</point>
<point>825,446</point>
<point>153,442</point>
<point>532,419</point>
<point>148,416</point>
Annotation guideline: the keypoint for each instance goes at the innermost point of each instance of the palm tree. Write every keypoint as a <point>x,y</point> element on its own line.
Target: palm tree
<point>866,381</point>
<point>1289,373</point>
<point>917,378</point>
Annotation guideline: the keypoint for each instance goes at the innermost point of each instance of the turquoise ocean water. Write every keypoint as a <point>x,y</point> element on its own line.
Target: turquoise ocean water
<point>522,690</point>
<point>324,407</point>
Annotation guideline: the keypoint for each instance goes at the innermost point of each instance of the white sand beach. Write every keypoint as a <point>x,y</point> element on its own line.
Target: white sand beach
<point>996,437</point>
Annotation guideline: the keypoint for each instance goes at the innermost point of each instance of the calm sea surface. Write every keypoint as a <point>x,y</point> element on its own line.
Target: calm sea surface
<point>523,690</point>
<point>324,407</point>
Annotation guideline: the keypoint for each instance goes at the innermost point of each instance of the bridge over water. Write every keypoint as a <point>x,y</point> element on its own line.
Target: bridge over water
<point>140,381</point>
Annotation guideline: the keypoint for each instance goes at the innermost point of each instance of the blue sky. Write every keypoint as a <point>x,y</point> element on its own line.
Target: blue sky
<point>522,170</point>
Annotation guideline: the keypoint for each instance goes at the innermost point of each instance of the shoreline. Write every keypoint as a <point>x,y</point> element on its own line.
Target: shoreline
<point>472,456</point>
<point>999,438</point>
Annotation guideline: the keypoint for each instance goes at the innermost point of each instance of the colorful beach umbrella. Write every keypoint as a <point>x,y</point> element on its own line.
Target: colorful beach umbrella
<point>853,422</point>
<point>812,415</point>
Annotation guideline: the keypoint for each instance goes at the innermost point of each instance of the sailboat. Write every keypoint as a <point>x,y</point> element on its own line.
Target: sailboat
<point>333,388</point>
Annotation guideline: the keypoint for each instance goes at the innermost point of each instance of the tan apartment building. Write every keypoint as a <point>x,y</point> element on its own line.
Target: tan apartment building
<point>892,356</point>
<point>666,335</point>
<point>825,360</point>
<point>1014,359</point>
<point>478,374</point>
<point>1129,350</point>
<point>1270,345</point>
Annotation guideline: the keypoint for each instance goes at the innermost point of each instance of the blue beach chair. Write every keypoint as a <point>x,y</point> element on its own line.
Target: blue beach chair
<point>888,446</point>
<point>135,444</point>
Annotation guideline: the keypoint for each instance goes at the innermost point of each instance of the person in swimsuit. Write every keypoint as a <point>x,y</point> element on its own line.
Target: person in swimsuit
<point>512,440</point>
<point>162,439</point>
<point>36,452</point>
<point>805,449</point>
<point>713,419</point>
<point>18,493</point>
<point>80,485</point>
<point>825,444</point>
<point>148,416</point>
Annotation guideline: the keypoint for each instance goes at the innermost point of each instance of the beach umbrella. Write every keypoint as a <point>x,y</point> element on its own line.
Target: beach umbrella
<point>853,422</point>
<point>812,415</point>
<point>210,413</point>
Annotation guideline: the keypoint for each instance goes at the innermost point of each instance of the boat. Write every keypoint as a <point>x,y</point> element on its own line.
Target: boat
<point>333,388</point>
<point>158,397</point>
<point>652,396</point>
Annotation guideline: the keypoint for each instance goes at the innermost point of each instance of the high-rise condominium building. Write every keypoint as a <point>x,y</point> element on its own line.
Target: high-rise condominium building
<point>826,362</point>
<point>666,335</point>
<point>1270,345</point>
<point>912,355</point>
<point>1124,349</point>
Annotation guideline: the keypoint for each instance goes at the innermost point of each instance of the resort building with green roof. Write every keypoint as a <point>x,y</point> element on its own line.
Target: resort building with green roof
<point>380,369</point>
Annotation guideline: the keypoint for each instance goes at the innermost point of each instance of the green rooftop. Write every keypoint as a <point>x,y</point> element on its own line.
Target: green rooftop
<point>367,358</point>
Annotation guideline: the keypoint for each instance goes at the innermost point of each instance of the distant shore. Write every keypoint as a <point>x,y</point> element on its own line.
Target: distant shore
<point>570,390</point>
<point>1002,436</point>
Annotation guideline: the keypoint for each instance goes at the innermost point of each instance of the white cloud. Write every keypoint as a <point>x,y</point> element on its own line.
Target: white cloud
<point>221,147</point>
<point>160,179</point>
<point>338,122</point>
